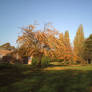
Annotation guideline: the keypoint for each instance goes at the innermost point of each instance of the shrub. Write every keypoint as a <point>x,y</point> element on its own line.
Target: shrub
<point>34,61</point>
<point>45,61</point>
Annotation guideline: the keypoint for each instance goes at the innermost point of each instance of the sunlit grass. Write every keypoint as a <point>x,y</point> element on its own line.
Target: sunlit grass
<point>72,67</point>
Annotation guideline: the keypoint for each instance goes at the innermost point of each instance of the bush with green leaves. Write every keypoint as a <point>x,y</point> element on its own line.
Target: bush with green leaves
<point>45,61</point>
<point>34,61</point>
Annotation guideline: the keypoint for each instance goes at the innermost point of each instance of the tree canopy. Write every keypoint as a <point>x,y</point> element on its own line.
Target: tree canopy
<point>41,42</point>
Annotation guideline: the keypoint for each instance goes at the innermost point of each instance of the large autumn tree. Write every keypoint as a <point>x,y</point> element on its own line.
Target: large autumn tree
<point>41,42</point>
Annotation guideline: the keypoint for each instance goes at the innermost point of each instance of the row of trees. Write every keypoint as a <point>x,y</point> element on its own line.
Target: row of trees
<point>49,42</point>
<point>83,46</point>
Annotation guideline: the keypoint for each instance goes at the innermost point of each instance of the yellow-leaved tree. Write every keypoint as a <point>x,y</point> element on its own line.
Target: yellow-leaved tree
<point>41,42</point>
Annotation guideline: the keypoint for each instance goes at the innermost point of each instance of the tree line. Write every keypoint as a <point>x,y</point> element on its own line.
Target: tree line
<point>35,42</point>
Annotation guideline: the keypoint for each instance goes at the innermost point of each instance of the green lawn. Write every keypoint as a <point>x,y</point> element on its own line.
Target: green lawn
<point>25,78</point>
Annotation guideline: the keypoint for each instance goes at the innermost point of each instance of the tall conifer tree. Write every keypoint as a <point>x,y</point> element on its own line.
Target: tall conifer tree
<point>68,49</point>
<point>79,41</point>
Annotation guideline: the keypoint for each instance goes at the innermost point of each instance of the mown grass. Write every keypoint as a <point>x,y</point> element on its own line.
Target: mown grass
<point>25,78</point>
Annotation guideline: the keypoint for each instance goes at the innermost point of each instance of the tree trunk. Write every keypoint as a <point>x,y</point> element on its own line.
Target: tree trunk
<point>39,61</point>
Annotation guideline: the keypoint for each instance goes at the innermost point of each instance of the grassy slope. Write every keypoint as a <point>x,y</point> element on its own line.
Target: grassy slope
<point>23,78</point>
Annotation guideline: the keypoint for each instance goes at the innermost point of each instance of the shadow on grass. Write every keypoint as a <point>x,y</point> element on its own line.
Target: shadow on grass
<point>12,73</point>
<point>19,79</point>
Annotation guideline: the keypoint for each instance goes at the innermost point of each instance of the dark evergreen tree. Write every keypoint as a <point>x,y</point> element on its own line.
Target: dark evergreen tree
<point>88,49</point>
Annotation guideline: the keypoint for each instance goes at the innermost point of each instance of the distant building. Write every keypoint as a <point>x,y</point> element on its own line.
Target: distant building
<point>12,56</point>
<point>4,52</point>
